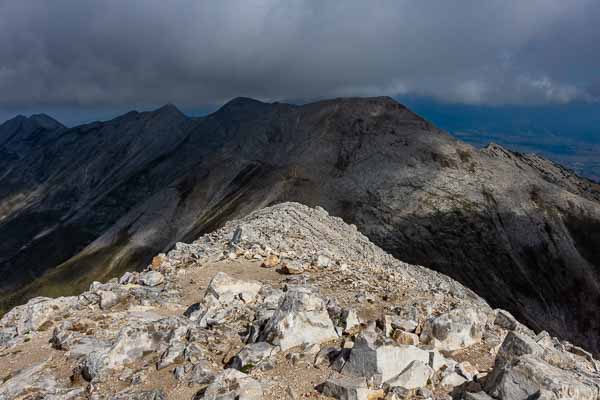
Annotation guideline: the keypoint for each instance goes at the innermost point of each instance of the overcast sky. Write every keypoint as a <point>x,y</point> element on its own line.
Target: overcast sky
<point>104,55</point>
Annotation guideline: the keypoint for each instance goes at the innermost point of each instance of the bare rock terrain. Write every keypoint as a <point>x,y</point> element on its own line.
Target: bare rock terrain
<point>221,318</point>
<point>91,202</point>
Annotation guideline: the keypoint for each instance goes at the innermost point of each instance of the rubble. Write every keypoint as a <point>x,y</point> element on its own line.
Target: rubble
<point>201,324</point>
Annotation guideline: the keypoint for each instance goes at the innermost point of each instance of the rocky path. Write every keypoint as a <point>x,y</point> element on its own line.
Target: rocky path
<point>287,303</point>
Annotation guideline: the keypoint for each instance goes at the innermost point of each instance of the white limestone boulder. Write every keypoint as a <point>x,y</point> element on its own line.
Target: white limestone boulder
<point>301,318</point>
<point>232,384</point>
<point>454,330</point>
<point>225,288</point>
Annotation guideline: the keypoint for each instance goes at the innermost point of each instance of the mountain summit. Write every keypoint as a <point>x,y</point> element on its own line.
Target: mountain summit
<point>102,198</point>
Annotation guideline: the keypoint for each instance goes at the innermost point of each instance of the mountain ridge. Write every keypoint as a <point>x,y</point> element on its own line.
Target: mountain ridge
<point>510,226</point>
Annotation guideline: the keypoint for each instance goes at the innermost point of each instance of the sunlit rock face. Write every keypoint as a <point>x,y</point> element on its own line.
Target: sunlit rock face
<point>90,202</point>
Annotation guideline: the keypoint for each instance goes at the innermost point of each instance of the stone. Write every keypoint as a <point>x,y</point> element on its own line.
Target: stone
<point>477,396</point>
<point>151,278</point>
<point>349,319</point>
<point>108,299</point>
<point>530,375</point>
<point>225,288</point>
<point>414,376</point>
<point>301,318</point>
<point>323,261</point>
<point>402,337</point>
<point>36,382</point>
<point>385,324</point>
<point>454,330</point>
<point>133,341</point>
<point>453,379</point>
<point>292,267</point>
<point>505,320</point>
<point>524,367</point>
<point>201,373</point>
<point>7,334</point>
<point>127,278</point>
<point>345,388</point>
<point>175,351</point>
<point>407,325</point>
<point>155,394</point>
<point>252,355</point>
<point>271,261</point>
<point>381,362</point>
<point>36,313</point>
<point>157,261</point>
<point>467,370</point>
<point>232,384</point>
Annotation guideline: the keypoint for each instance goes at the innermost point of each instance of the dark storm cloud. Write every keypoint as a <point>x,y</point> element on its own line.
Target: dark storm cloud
<point>114,52</point>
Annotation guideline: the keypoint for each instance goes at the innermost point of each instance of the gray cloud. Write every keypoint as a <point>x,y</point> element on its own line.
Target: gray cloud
<point>113,53</point>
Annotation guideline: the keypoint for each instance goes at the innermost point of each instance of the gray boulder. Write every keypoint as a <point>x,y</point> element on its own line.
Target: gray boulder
<point>36,313</point>
<point>232,384</point>
<point>416,375</point>
<point>36,382</point>
<point>252,355</point>
<point>133,341</point>
<point>225,288</point>
<point>345,388</point>
<point>379,361</point>
<point>524,369</point>
<point>454,330</point>
<point>151,278</point>
<point>301,318</point>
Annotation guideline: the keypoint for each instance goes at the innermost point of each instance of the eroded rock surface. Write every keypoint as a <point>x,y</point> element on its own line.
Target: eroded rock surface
<point>209,321</point>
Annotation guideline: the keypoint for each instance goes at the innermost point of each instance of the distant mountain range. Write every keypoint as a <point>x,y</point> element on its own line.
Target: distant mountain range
<point>87,203</point>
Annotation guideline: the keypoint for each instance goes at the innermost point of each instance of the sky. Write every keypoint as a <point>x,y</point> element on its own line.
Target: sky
<point>87,59</point>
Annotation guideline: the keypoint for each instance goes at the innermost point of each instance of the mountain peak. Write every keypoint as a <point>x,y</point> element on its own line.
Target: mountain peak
<point>243,103</point>
<point>46,121</point>
<point>43,120</point>
<point>168,109</point>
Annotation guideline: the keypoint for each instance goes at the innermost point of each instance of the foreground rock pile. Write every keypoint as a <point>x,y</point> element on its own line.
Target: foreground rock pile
<point>287,303</point>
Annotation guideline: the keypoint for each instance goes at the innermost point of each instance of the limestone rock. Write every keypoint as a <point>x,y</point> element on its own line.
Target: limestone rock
<point>454,330</point>
<point>505,320</point>
<point>528,376</point>
<point>381,362</point>
<point>253,355</point>
<point>477,396</point>
<point>292,267</point>
<point>225,288</point>
<point>232,384</point>
<point>453,379</point>
<point>402,337</point>
<point>271,261</point>
<point>133,341</point>
<point>36,382</point>
<point>349,319</point>
<point>414,376</point>
<point>301,318</point>
<point>36,313</point>
<point>151,278</point>
<point>524,367</point>
<point>345,388</point>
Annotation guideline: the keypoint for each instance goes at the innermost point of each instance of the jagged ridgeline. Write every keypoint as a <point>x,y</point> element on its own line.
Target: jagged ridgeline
<point>90,202</point>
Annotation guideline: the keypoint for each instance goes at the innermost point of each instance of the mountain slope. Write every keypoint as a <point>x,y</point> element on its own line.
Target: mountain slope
<point>285,303</point>
<point>519,230</point>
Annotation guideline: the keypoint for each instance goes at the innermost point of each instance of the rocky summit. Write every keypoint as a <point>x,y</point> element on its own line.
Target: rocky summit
<point>91,202</point>
<point>285,303</point>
